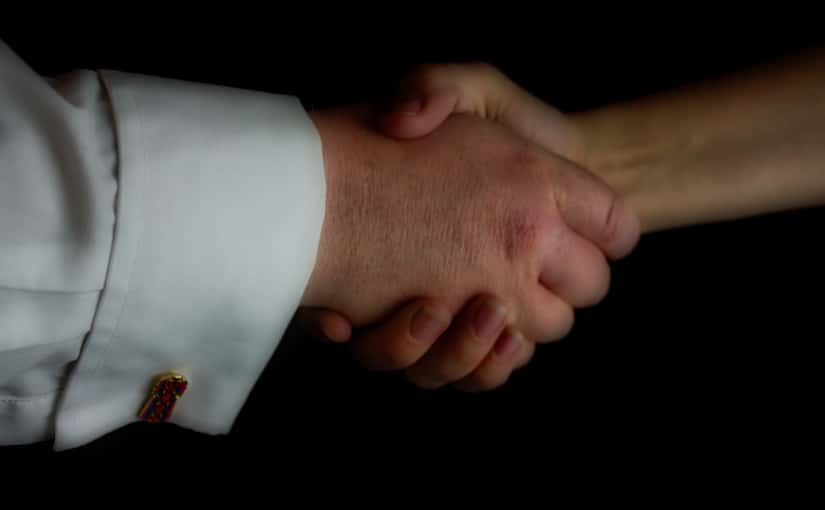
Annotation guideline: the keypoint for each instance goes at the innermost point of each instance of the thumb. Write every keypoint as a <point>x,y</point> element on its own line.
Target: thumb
<point>596,212</point>
<point>325,324</point>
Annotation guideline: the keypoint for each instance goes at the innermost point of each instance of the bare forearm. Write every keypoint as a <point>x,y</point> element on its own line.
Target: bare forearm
<point>729,148</point>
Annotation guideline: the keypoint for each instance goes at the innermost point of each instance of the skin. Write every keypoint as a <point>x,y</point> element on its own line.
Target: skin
<point>743,145</point>
<point>471,211</point>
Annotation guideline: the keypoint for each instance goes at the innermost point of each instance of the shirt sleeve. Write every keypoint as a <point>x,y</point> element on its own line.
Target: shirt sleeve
<point>147,226</point>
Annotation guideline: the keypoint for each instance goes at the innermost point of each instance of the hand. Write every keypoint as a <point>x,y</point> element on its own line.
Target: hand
<point>343,326</point>
<point>427,97</point>
<point>449,348</point>
<point>470,208</point>
<point>430,94</point>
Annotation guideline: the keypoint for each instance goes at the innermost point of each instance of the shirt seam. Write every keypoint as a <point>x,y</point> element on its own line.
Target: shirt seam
<point>140,149</point>
<point>23,400</point>
<point>48,291</point>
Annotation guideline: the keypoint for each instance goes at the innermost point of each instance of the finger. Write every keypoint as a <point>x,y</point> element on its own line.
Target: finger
<point>575,269</point>
<point>429,94</point>
<point>463,346</point>
<point>326,324</point>
<point>551,319</point>
<point>400,340</point>
<point>418,115</point>
<point>591,208</point>
<point>499,363</point>
<point>525,354</point>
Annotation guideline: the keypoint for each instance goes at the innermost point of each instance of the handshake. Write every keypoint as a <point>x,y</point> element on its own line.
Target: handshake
<point>467,223</point>
<point>462,228</point>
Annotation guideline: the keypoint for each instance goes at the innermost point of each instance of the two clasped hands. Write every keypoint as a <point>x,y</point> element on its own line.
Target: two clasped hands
<point>466,223</point>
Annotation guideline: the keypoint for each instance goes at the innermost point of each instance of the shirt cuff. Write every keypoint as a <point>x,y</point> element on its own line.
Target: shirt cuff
<point>220,205</point>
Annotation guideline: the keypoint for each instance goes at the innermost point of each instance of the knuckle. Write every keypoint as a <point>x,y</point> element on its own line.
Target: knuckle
<point>465,356</point>
<point>383,353</point>
<point>527,355</point>
<point>600,284</point>
<point>526,156</point>
<point>399,355</point>
<point>594,283</point>
<point>523,233</point>
<point>565,325</point>
<point>437,372</point>
<point>560,324</point>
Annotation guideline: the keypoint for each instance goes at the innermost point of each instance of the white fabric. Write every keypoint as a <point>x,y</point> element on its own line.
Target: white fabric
<point>146,225</point>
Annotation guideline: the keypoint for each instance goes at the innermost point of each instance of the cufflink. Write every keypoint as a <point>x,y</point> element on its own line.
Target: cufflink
<point>165,393</point>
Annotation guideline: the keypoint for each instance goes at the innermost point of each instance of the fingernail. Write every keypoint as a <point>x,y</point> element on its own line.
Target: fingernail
<point>489,319</point>
<point>426,325</point>
<point>409,106</point>
<point>508,343</point>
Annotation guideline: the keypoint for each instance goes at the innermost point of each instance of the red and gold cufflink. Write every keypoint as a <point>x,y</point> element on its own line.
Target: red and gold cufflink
<point>164,395</point>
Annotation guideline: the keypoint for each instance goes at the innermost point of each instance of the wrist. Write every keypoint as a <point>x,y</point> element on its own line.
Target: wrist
<point>344,132</point>
<point>313,292</point>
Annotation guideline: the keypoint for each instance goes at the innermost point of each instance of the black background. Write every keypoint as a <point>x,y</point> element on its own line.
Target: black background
<point>707,348</point>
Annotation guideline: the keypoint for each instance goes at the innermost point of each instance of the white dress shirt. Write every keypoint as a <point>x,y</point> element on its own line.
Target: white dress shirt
<point>147,225</point>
